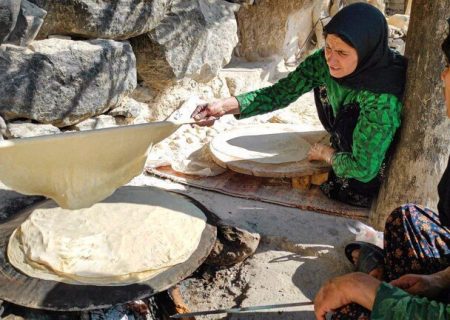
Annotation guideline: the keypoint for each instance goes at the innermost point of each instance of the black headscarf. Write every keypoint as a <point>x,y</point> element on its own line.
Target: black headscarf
<point>379,69</point>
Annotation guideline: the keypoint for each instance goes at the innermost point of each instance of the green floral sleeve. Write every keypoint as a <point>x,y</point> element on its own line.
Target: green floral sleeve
<point>378,121</point>
<point>309,74</point>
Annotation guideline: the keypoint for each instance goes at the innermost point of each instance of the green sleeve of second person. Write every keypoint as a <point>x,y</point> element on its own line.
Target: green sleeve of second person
<point>379,119</point>
<point>308,75</point>
<point>395,304</point>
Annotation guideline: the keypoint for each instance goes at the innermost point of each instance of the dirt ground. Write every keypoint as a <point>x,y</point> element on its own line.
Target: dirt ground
<point>299,250</point>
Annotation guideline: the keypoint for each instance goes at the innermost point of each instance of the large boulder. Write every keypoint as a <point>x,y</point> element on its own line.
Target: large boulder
<point>63,82</point>
<point>194,40</point>
<point>109,19</point>
<point>279,28</point>
<point>29,21</point>
<point>9,11</point>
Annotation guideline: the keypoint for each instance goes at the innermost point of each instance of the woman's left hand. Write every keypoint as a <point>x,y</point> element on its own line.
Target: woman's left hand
<point>321,152</point>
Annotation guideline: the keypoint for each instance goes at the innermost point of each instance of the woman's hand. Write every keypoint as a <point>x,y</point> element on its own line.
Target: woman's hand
<point>207,114</point>
<point>354,287</point>
<point>321,152</point>
<point>429,286</point>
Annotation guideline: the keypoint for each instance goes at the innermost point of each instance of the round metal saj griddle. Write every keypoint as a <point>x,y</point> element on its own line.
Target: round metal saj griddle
<point>20,289</point>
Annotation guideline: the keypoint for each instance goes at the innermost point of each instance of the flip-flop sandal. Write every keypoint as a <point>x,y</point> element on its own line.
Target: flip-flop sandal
<point>370,256</point>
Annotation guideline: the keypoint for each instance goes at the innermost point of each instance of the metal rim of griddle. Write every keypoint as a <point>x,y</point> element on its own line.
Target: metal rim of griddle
<point>20,289</point>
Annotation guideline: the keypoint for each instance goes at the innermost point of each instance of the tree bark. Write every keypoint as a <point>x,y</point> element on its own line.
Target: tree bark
<point>423,147</point>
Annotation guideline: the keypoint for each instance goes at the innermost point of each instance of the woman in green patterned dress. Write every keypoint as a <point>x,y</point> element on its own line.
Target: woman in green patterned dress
<point>358,83</point>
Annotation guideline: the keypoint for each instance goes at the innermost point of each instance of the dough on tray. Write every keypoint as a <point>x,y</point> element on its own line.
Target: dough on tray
<point>266,143</point>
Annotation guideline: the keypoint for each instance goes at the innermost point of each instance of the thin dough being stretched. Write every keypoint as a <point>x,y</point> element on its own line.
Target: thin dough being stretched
<point>79,169</point>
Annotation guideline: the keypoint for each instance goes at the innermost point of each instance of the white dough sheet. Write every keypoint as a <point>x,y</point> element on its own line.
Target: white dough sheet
<point>79,169</point>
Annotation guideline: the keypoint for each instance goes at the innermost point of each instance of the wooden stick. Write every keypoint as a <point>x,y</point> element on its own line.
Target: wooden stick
<point>180,305</point>
<point>408,8</point>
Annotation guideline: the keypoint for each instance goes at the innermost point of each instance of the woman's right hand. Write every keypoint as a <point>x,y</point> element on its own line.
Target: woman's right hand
<point>206,114</point>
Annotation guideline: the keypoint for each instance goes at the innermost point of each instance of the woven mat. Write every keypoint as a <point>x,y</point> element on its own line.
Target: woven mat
<point>271,190</point>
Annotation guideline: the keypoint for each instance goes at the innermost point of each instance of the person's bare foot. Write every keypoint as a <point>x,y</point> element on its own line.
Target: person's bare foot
<point>355,256</point>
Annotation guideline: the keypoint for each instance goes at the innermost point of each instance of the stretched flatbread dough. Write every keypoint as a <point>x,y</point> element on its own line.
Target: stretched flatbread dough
<point>267,143</point>
<point>129,237</point>
<point>79,169</point>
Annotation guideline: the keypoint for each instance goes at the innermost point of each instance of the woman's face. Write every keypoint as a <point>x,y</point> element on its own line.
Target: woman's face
<point>342,59</point>
<point>445,76</point>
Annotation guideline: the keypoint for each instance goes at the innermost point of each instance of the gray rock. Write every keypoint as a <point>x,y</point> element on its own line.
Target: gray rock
<point>9,11</point>
<point>109,19</point>
<point>194,40</point>
<point>63,82</point>
<point>102,121</point>
<point>130,109</point>
<point>398,45</point>
<point>247,2</point>
<point>233,245</point>
<point>4,132</point>
<point>27,130</point>
<point>28,23</point>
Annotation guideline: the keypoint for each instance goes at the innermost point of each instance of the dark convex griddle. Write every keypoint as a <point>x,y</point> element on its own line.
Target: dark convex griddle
<point>20,289</point>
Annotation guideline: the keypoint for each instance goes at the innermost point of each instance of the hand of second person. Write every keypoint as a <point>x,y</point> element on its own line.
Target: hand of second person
<point>353,287</point>
<point>321,152</point>
<point>331,296</point>
<point>422,285</point>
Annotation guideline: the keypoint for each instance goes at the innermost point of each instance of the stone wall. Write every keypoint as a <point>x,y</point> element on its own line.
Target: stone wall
<point>173,48</point>
<point>396,6</point>
<point>274,27</point>
<point>63,63</point>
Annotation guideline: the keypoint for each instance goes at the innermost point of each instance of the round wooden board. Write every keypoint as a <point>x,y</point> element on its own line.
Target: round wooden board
<point>20,289</point>
<point>243,164</point>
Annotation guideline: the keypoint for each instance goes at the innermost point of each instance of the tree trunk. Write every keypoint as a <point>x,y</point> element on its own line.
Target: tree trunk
<point>423,148</point>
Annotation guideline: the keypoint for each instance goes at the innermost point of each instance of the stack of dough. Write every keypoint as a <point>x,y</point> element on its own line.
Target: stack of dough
<point>129,237</point>
<point>271,143</point>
